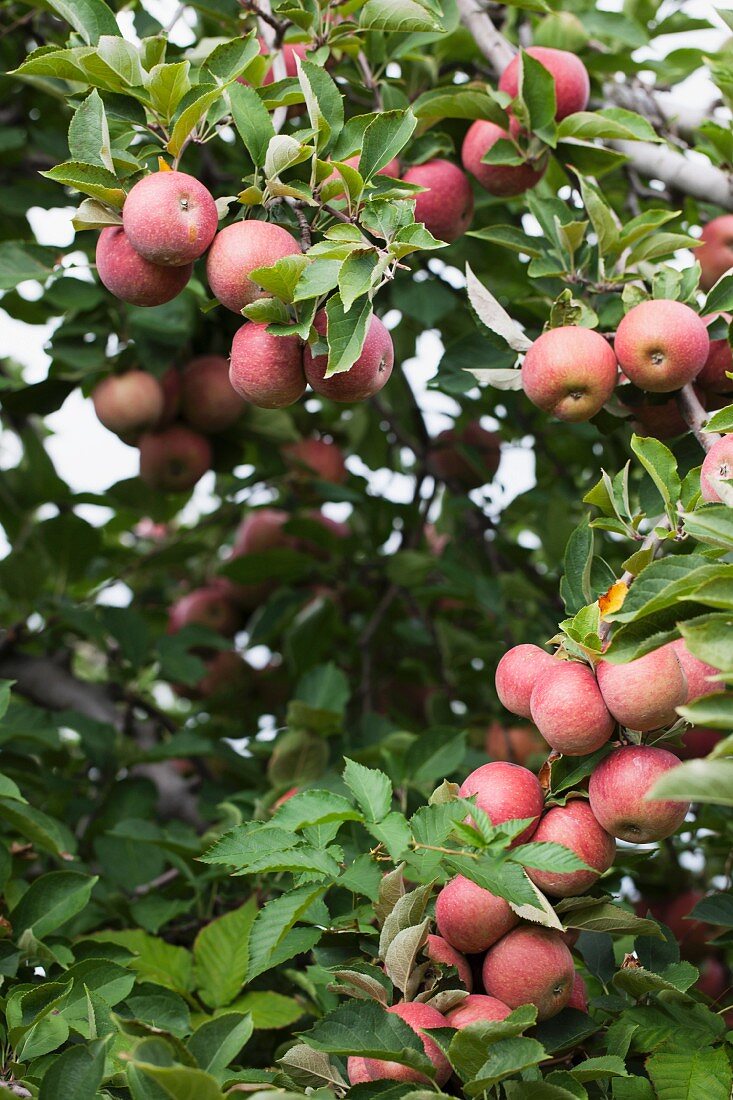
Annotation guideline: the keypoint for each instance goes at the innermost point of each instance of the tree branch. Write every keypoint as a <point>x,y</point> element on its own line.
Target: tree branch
<point>493,45</point>
<point>695,416</point>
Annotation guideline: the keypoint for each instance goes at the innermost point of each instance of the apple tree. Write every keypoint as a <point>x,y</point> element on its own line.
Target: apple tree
<point>376,737</point>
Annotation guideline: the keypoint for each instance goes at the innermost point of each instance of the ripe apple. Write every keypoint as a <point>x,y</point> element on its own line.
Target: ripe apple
<point>568,709</point>
<point>698,741</point>
<point>575,827</point>
<point>579,996</point>
<point>517,744</point>
<point>644,694</point>
<point>174,459</point>
<point>717,467</point>
<point>470,918</point>
<point>446,208</point>
<point>715,251</point>
<point>440,951</point>
<point>128,404</point>
<point>476,1009</point>
<point>570,372</point>
<point>618,790</point>
<point>572,83</point>
<point>366,377</point>
<point>266,370</point>
<point>505,792</point>
<point>504,180</point>
<point>530,966</point>
<point>315,458</point>
<point>239,249</point>
<point>516,676</point>
<point>170,218</point>
<point>209,606</point>
<point>130,277</point>
<point>208,401</point>
<point>468,456</point>
<point>697,673</point>
<point>662,345</point>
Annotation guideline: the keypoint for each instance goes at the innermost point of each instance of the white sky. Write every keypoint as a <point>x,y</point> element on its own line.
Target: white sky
<point>90,458</point>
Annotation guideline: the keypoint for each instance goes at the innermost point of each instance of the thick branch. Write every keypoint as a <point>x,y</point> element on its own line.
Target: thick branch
<point>695,416</point>
<point>493,45</point>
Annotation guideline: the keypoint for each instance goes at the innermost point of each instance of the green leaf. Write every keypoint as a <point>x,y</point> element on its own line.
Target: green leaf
<point>38,827</point>
<point>609,123</point>
<point>710,638</point>
<point>601,915</point>
<point>216,1043</point>
<point>720,298</point>
<point>228,60</point>
<point>274,922</point>
<point>661,465</point>
<point>91,18</point>
<point>397,16</point>
<point>468,101</point>
<point>268,1010</point>
<point>346,330</point>
<point>89,133</point>
<point>282,277</point>
<point>356,275</point>
<point>200,99</point>
<point>221,955</point>
<point>721,421</point>
<point>371,788</point>
<point>702,1075</point>
<point>51,901</point>
<point>506,1058</point>
<point>712,525</point>
<point>90,179</point>
<point>697,781</point>
<point>182,1083</point>
<point>365,1028</point>
<point>123,58</point>
<point>715,711</point>
<point>314,808</point>
<point>167,86</point>
<point>575,586</point>
<point>598,1069</point>
<point>537,94</point>
<point>21,260</point>
<point>252,121</point>
<point>548,856</point>
<point>283,152</point>
<point>156,960</point>
<point>384,138</point>
<point>77,1072</point>
<point>467,1049</point>
<point>661,584</point>
<point>323,101</point>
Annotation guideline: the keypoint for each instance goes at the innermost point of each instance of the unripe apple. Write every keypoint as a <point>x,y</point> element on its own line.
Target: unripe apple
<point>572,83</point>
<point>446,208</point>
<point>129,403</point>
<point>504,180</point>
<point>717,466</point>
<point>530,966</point>
<point>476,1009</point>
<point>440,951</point>
<point>266,370</point>
<point>418,1016</point>
<point>697,673</point>
<point>130,277</point>
<point>516,676</point>
<point>209,606</point>
<point>505,792</point>
<point>469,455</point>
<point>517,744</point>
<point>366,377</point>
<point>319,458</point>
<point>570,372</point>
<point>661,345</point>
<point>175,459</point>
<point>644,694</point>
<point>579,996</point>
<point>568,709</point>
<point>618,788</point>
<point>698,741</point>
<point>719,364</point>
<point>170,218</point>
<point>575,827</point>
<point>239,249</point>
<point>470,918</point>
<point>208,401</point>
<point>715,251</point>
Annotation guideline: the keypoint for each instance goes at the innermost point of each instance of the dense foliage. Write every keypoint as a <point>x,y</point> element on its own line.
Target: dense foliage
<point>219,869</point>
